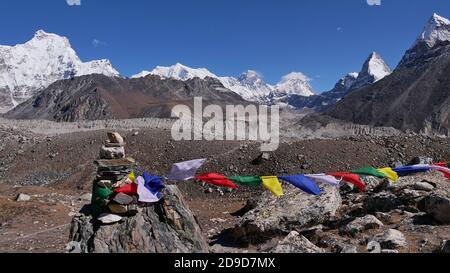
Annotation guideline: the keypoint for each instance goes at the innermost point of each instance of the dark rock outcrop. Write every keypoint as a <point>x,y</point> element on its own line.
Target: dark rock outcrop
<point>165,227</point>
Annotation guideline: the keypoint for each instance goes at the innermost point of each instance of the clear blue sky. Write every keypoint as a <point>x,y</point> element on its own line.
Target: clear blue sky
<point>324,39</point>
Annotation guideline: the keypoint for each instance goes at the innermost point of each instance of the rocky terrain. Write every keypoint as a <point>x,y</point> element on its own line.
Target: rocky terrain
<point>53,175</point>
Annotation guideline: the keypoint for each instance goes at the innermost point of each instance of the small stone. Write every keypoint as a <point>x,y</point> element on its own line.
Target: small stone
<point>390,239</point>
<point>135,134</point>
<point>108,218</point>
<point>349,249</point>
<point>362,224</point>
<point>115,137</point>
<point>105,183</point>
<point>117,209</point>
<point>86,197</point>
<point>374,247</point>
<point>73,247</point>
<point>23,198</point>
<point>423,186</point>
<point>123,199</point>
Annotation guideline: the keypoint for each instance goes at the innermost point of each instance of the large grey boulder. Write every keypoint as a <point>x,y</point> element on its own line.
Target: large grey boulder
<point>438,206</point>
<point>165,227</point>
<point>293,211</point>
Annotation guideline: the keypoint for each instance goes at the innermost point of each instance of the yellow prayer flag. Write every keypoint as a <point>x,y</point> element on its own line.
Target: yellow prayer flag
<point>132,177</point>
<point>273,185</point>
<point>389,172</point>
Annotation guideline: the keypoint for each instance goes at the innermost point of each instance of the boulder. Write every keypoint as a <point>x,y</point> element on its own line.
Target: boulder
<point>374,247</point>
<point>382,202</point>
<point>390,239</point>
<point>437,206</point>
<point>293,211</point>
<point>362,224</point>
<point>165,227</point>
<point>108,218</point>
<point>295,243</point>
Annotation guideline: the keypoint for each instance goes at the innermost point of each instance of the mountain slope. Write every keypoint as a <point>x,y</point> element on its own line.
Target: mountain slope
<point>97,97</point>
<point>416,96</point>
<point>373,70</point>
<point>27,68</point>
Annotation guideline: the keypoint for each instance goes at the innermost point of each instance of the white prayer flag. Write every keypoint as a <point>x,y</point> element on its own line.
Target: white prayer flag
<point>326,179</point>
<point>185,170</point>
<point>146,196</point>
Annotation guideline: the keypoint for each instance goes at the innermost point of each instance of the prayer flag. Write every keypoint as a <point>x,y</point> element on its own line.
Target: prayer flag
<point>185,170</point>
<point>302,182</point>
<point>273,185</point>
<point>369,171</point>
<point>325,179</point>
<point>246,180</point>
<point>145,195</point>
<point>217,180</point>
<point>389,172</point>
<point>351,178</point>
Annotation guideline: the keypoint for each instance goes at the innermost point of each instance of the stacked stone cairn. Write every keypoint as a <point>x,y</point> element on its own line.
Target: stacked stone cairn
<point>114,171</point>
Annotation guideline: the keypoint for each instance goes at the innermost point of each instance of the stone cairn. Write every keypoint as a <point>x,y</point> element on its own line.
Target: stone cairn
<point>114,171</point>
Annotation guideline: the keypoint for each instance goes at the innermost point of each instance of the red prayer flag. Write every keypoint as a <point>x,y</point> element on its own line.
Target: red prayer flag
<point>217,179</point>
<point>446,173</point>
<point>441,164</point>
<point>129,189</point>
<point>351,178</point>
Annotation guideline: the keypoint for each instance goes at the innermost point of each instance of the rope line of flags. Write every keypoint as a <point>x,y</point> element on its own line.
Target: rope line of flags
<point>149,188</point>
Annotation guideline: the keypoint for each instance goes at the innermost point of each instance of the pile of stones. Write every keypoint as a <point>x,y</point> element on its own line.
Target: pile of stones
<point>114,171</point>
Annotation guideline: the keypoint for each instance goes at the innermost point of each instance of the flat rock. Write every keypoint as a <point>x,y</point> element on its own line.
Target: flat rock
<point>293,211</point>
<point>108,163</point>
<point>109,218</point>
<point>391,239</point>
<point>123,199</point>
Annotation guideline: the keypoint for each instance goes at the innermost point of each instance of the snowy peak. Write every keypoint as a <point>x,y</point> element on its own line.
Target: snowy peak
<point>295,83</point>
<point>436,30</point>
<point>374,70</point>
<point>178,72</point>
<point>376,67</point>
<point>30,67</point>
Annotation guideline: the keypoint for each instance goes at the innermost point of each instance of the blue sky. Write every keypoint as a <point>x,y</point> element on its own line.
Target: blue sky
<point>324,39</point>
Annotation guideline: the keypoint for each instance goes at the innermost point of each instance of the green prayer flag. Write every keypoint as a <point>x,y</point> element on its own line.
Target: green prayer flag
<point>369,171</point>
<point>246,180</point>
<point>99,195</point>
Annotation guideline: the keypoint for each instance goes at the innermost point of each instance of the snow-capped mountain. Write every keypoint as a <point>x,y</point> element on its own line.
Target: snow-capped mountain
<point>374,69</point>
<point>177,72</point>
<point>295,83</point>
<point>28,68</point>
<point>250,85</point>
<point>436,30</point>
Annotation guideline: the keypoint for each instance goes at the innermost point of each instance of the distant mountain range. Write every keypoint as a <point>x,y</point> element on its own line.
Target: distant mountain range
<point>416,96</point>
